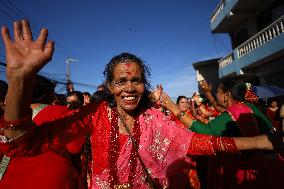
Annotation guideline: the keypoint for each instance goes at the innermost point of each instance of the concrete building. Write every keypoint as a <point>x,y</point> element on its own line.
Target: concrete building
<point>256,29</point>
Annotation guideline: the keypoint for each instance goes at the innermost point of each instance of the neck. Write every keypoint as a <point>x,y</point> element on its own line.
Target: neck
<point>125,114</point>
<point>128,118</point>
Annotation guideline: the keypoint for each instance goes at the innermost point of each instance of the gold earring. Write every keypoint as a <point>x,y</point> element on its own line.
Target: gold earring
<point>226,101</point>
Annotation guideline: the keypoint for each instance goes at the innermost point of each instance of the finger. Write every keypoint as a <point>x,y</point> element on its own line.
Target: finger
<point>41,40</point>
<point>27,34</point>
<point>6,36</point>
<point>165,96</point>
<point>49,48</point>
<point>17,31</point>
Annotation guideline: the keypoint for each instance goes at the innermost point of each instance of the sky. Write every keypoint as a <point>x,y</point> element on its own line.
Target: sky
<point>169,35</point>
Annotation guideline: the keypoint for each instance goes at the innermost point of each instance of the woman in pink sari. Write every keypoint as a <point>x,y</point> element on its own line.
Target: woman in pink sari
<point>133,144</point>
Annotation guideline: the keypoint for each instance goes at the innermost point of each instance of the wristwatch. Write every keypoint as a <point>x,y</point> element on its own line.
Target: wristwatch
<point>180,114</point>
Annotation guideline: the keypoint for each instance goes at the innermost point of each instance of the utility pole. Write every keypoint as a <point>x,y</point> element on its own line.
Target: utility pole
<point>69,84</point>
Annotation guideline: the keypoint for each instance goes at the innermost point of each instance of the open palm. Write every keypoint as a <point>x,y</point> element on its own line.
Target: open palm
<point>24,55</point>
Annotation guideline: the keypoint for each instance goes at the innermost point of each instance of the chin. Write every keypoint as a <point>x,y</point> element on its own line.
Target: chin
<point>130,108</point>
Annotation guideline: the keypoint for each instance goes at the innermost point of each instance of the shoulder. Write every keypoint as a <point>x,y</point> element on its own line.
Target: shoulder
<point>50,113</point>
<point>58,108</point>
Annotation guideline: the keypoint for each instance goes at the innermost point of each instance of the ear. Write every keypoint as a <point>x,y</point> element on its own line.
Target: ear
<point>109,86</point>
<point>228,94</point>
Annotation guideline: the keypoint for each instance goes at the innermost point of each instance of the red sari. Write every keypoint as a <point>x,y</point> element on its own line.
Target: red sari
<point>163,146</point>
<point>48,170</point>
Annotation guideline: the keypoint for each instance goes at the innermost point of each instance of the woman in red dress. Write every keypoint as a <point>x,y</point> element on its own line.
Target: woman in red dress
<point>42,166</point>
<point>133,144</point>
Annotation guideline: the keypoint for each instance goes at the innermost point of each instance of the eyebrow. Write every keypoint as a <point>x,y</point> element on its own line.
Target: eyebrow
<point>125,79</point>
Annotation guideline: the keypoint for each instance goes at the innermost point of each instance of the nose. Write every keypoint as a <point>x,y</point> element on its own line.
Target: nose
<point>129,87</point>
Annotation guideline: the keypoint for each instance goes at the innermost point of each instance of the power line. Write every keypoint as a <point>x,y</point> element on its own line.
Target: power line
<point>8,15</point>
<point>3,2</point>
<point>38,28</point>
<point>34,27</point>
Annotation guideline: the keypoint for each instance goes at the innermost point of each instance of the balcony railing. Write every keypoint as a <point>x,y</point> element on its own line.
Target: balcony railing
<point>217,10</point>
<point>268,33</point>
<point>226,60</point>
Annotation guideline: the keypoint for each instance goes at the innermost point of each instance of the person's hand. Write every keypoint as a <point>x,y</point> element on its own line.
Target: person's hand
<point>166,101</point>
<point>87,99</point>
<point>24,55</point>
<point>195,97</point>
<point>205,86</point>
<point>157,92</point>
<point>192,103</point>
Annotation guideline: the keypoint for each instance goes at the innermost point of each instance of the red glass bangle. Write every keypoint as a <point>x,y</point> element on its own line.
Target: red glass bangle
<point>23,123</point>
<point>229,145</point>
<point>216,144</point>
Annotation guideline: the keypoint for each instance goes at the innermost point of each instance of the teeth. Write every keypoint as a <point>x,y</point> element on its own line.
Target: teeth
<point>129,98</point>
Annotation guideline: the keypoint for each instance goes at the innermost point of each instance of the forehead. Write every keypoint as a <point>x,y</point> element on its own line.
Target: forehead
<point>72,98</point>
<point>183,100</point>
<point>127,69</point>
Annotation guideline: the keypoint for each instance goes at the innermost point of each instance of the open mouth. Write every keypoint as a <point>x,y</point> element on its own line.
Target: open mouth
<point>129,98</point>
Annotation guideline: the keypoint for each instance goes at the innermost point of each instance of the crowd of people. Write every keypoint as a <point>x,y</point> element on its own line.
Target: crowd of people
<point>127,135</point>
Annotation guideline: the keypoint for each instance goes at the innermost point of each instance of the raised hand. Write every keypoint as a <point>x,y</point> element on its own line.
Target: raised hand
<point>166,101</point>
<point>157,93</point>
<point>205,86</point>
<point>24,55</point>
<point>87,99</point>
<point>195,97</point>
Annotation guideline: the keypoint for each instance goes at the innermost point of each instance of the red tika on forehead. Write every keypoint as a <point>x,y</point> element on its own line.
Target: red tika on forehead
<point>127,68</point>
<point>128,65</point>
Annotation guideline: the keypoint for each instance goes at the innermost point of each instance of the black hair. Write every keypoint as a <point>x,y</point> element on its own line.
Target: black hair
<point>60,99</point>
<point>79,95</point>
<point>43,90</point>
<point>99,96</point>
<point>180,97</point>
<point>101,87</point>
<point>123,58</point>
<point>86,93</point>
<point>235,85</point>
<point>270,100</point>
<point>3,90</point>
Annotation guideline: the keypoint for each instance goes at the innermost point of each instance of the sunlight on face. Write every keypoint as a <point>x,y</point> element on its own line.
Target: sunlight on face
<point>127,86</point>
<point>183,104</point>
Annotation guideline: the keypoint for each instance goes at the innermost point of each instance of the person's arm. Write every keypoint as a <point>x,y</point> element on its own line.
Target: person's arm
<point>207,91</point>
<point>200,105</point>
<point>211,145</point>
<point>24,58</point>
<point>194,112</point>
<point>53,135</point>
<point>218,126</point>
<point>172,107</point>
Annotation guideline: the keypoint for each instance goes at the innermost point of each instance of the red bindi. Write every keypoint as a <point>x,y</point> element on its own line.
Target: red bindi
<point>128,65</point>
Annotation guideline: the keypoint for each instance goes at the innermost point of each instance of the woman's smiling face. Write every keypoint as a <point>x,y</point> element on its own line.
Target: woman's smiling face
<point>127,86</point>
